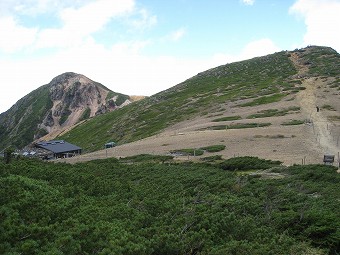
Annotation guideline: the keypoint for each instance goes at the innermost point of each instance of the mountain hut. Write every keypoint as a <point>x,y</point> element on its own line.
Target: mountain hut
<point>60,148</point>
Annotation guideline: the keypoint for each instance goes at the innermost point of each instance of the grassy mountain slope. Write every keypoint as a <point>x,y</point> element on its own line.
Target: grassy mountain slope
<point>253,82</point>
<point>19,124</point>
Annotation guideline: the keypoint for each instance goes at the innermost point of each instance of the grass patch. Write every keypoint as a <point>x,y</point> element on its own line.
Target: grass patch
<point>299,88</point>
<point>86,114</point>
<point>293,122</point>
<point>237,126</point>
<point>248,163</point>
<point>334,118</point>
<point>212,158</point>
<point>214,148</point>
<point>278,136</point>
<point>328,107</point>
<point>247,125</point>
<point>188,152</point>
<point>264,100</point>
<point>228,118</point>
<point>146,158</point>
<point>273,112</point>
<point>64,116</point>
<point>218,127</point>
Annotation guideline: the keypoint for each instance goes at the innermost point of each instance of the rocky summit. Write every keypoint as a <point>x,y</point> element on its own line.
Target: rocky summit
<point>68,99</point>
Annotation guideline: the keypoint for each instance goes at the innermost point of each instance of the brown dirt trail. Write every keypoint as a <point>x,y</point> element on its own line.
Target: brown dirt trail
<point>309,107</point>
<point>321,125</point>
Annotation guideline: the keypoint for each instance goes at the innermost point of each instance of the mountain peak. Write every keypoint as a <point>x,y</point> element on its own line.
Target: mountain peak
<point>69,78</point>
<point>55,107</point>
<point>62,77</point>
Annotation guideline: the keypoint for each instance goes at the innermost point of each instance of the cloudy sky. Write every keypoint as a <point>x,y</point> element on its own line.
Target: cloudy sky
<point>141,47</point>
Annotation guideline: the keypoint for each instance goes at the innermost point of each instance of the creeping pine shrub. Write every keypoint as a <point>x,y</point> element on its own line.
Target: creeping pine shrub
<point>212,158</point>
<point>214,148</point>
<point>248,163</point>
<point>189,152</point>
<point>146,158</point>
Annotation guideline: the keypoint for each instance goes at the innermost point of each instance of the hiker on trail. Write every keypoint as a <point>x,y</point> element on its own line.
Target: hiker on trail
<point>317,108</point>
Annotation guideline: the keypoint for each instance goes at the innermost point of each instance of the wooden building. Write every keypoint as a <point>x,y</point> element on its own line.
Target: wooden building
<point>60,148</point>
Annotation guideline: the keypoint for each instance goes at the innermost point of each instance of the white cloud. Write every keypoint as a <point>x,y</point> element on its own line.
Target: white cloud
<point>259,48</point>
<point>144,21</point>
<point>35,7</point>
<point>322,21</point>
<point>93,16</point>
<point>248,2</point>
<point>256,48</point>
<point>80,23</point>
<point>14,36</point>
<point>175,36</point>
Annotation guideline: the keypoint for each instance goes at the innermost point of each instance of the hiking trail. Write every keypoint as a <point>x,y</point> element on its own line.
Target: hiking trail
<point>308,102</point>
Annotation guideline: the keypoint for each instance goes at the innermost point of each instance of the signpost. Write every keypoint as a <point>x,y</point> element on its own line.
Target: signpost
<point>328,159</point>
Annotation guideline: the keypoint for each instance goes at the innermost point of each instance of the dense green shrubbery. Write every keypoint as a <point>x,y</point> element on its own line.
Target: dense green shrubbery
<point>247,125</point>
<point>106,207</point>
<point>248,163</point>
<point>146,158</point>
<point>86,114</point>
<point>214,148</point>
<point>212,158</point>
<point>238,126</point>
<point>29,111</point>
<point>64,116</point>
<point>188,152</point>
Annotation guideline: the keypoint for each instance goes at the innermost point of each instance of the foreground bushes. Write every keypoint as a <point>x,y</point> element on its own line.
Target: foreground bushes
<point>248,163</point>
<point>108,207</point>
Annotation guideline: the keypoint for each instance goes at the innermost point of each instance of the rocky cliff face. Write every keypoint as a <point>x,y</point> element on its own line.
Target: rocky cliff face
<point>68,99</point>
<point>75,97</point>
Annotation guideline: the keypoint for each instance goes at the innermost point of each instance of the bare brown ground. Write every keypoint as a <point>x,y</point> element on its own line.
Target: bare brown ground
<point>297,144</point>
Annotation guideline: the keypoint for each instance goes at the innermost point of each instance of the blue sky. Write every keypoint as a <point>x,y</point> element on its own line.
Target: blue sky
<point>141,47</point>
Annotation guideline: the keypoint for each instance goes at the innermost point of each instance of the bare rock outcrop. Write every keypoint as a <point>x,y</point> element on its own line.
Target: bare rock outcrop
<point>55,107</point>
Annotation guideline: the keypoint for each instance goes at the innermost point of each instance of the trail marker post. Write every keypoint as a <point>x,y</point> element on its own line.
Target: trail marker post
<point>328,159</point>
